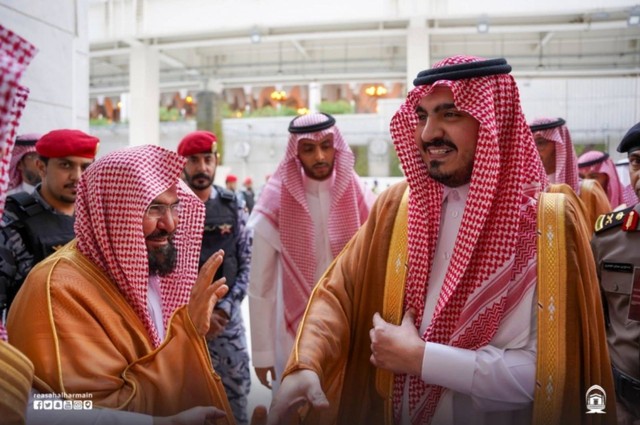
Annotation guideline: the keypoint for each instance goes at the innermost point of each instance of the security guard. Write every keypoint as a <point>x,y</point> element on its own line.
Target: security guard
<point>224,228</point>
<point>36,224</point>
<point>616,249</point>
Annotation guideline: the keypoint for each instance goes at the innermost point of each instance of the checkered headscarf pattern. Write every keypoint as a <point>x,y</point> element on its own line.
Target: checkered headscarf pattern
<point>283,202</point>
<point>113,195</point>
<point>15,55</point>
<point>15,176</point>
<point>493,262</point>
<point>566,159</point>
<point>629,196</point>
<point>614,189</point>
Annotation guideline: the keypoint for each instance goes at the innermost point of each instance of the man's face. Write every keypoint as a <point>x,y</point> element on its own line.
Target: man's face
<point>60,177</point>
<point>547,151</point>
<point>200,170</point>
<point>446,138</point>
<point>634,171</point>
<point>601,178</point>
<point>29,169</point>
<point>159,224</point>
<point>317,157</point>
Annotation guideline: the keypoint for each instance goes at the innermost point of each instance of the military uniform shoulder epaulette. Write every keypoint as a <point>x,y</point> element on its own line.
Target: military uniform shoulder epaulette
<point>226,194</point>
<point>22,205</point>
<point>615,218</point>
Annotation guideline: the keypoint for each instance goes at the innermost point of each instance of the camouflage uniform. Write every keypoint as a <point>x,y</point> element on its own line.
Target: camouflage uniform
<point>229,351</point>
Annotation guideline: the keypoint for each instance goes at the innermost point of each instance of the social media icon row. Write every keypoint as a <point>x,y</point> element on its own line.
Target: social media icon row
<point>62,404</point>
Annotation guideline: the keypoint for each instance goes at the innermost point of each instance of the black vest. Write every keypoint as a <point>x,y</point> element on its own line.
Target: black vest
<point>42,230</point>
<point>221,232</point>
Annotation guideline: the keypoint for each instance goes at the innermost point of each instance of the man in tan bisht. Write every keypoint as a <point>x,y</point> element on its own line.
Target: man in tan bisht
<point>120,312</point>
<point>555,147</point>
<point>468,297</point>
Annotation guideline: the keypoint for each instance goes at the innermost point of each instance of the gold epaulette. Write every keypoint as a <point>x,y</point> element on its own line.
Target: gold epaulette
<point>612,219</point>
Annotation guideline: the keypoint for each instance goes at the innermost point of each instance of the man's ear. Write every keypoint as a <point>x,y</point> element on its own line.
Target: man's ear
<point>42,168</point>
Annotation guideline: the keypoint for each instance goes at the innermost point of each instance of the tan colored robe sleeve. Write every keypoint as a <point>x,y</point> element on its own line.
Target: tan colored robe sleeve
<point>595,201</point>
<point>333,337</point>
<point>15,385</point>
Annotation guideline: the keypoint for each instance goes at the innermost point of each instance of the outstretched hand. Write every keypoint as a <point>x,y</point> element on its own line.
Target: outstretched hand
<point>263,375</point>
<point>204,294</point>
<point>398,349</point>
<point>296,390</point>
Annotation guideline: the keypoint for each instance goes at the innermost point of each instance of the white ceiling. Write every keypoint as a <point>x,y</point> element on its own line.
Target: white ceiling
<point>595,43</point>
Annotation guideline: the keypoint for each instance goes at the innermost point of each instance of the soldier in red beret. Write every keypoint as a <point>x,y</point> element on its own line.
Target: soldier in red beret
<point>224,228</point>
<point>35,225</point>
<point>248,194</point>
<point>232,182</point>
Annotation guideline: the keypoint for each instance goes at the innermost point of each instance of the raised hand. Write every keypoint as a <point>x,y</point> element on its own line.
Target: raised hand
<point>204,294</point>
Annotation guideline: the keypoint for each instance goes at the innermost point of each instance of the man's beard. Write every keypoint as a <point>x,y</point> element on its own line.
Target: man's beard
<point>191,180</point>
<point>31,177</point>
<point>454,178</point>
<point>163,260</point>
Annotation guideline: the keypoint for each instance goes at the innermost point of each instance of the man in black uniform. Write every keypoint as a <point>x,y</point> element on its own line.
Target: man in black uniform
<point>248,194</point>
<point>34,225</point>
<point>224,229</point>
<point>616,248</point>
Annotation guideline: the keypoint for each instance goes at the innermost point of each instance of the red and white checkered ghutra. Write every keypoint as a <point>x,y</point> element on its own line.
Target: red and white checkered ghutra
<point>15,55</point>
<point>566,159</point>
<point>113,195</point>
<point>494,259</point>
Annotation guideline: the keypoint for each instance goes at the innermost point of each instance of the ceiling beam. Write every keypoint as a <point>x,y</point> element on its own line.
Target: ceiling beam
<point>516,29</point>
<point>547,37</point>
<point>300,49</point>
<point>298,79</point>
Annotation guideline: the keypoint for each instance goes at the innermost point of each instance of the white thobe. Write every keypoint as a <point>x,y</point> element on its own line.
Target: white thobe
<point>154,304</point>
<point>491,385</point>
<point>270,341</point>
<point>22,187</point>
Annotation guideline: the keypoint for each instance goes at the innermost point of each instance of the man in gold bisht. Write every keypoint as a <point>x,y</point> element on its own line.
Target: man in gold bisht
<point>469,296</point>
<point>121,311</point>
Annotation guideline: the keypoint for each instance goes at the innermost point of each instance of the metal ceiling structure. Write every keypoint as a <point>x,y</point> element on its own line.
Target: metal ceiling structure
<point>605,42</point>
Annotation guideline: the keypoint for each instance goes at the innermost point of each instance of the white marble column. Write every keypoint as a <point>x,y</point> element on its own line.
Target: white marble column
<point>144,78</point>
<point>418,52</point>
<point>125,108</point>
<point>315,96</point>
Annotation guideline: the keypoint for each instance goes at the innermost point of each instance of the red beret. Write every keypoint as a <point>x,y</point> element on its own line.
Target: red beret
<point>231,178</point>
<point>197,142</point>
<point>61,143</point>
<point>247,181</point>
